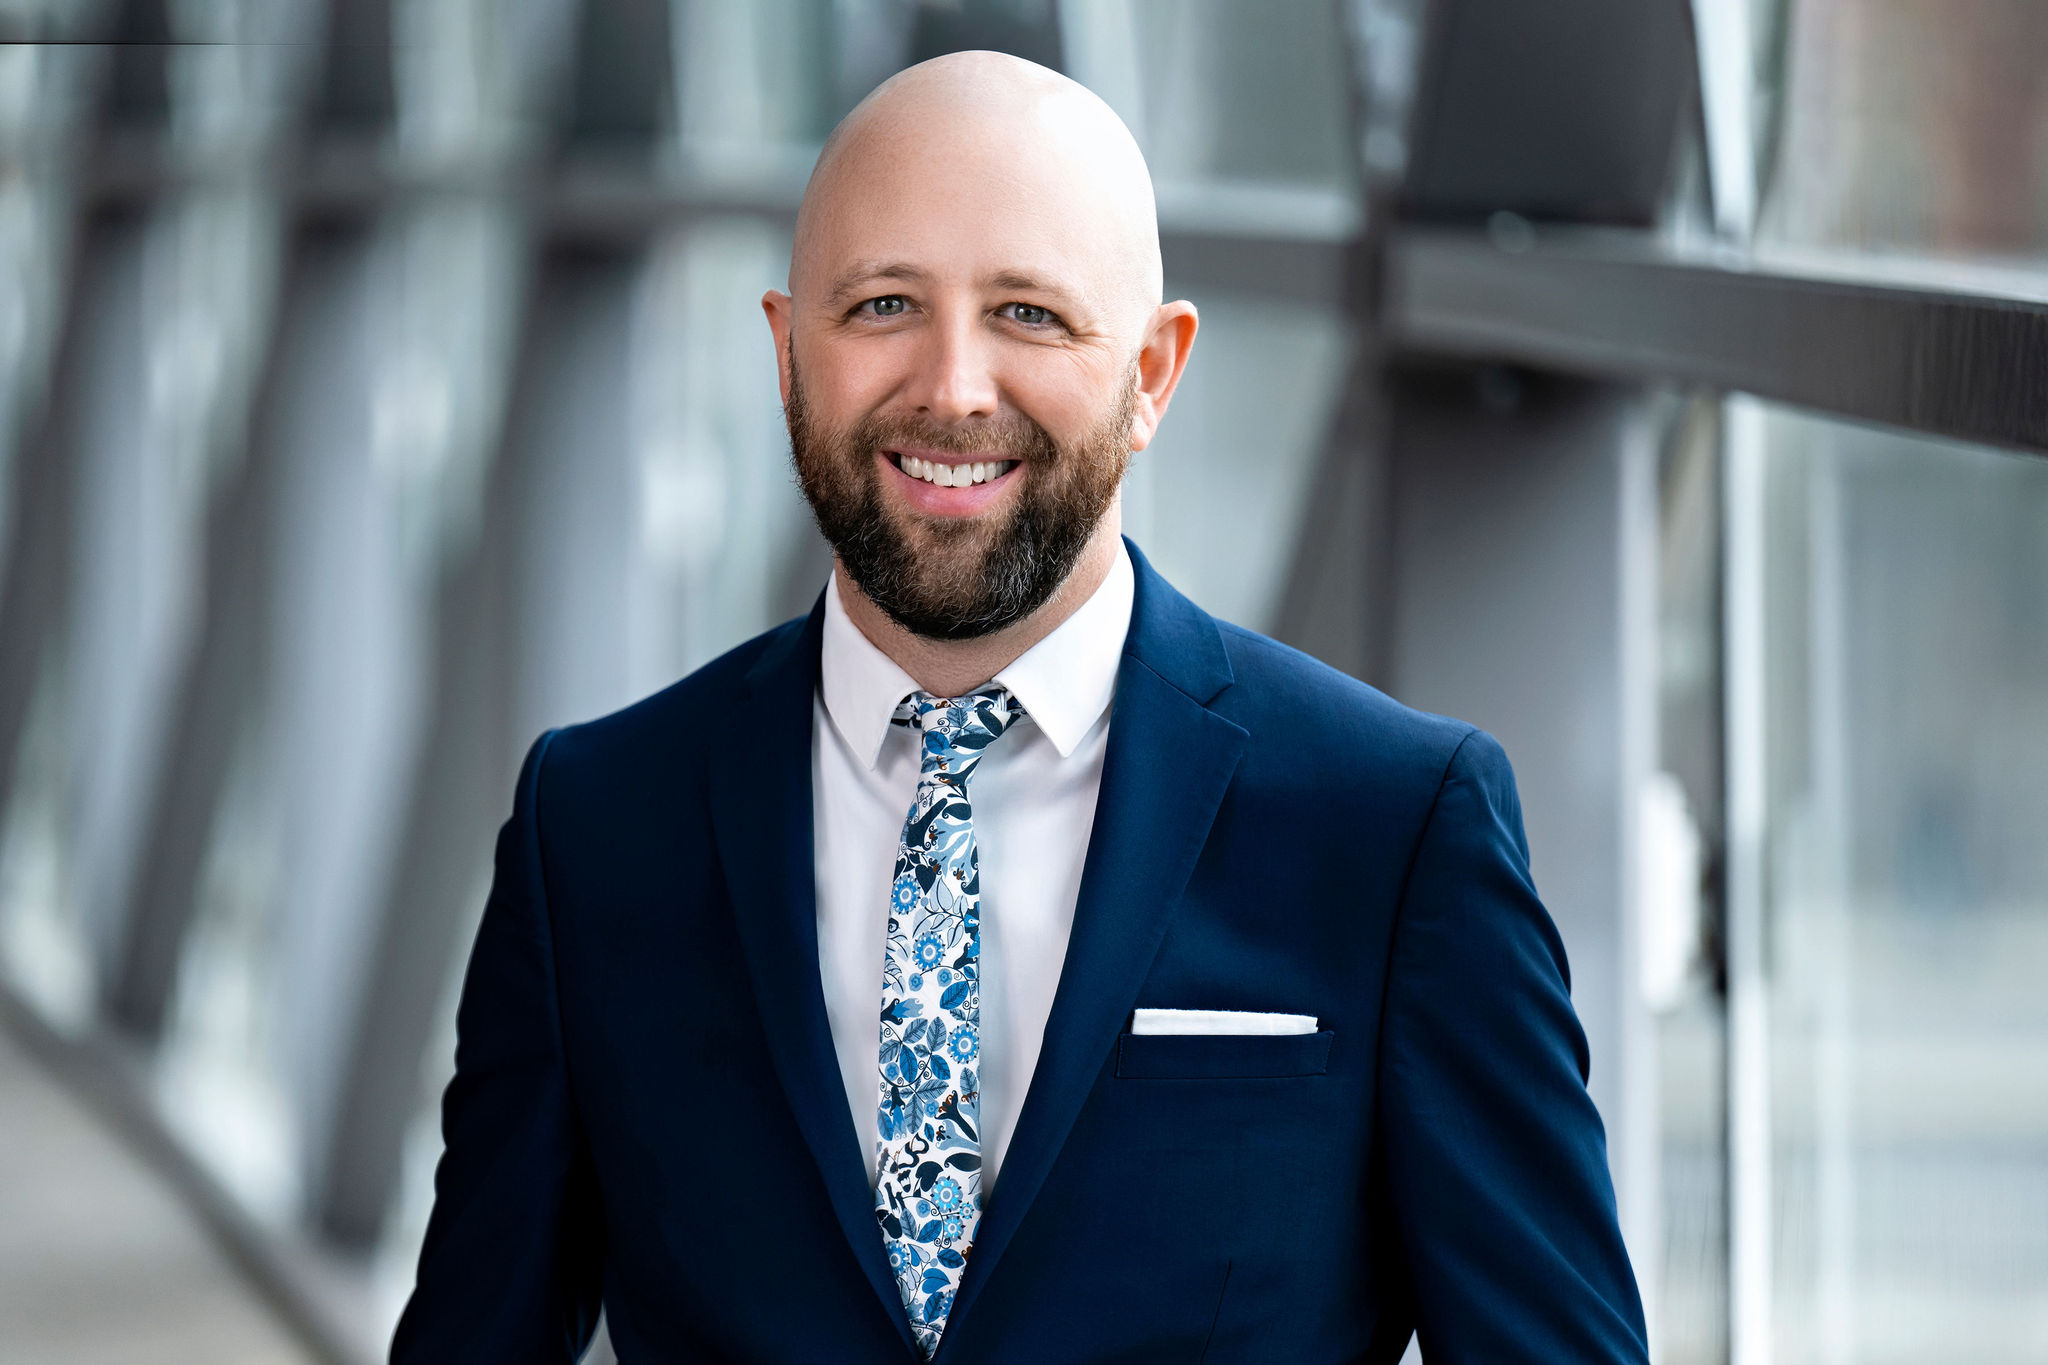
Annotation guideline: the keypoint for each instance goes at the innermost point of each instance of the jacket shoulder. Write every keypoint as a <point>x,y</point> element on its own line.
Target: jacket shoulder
<point>1292,700</point>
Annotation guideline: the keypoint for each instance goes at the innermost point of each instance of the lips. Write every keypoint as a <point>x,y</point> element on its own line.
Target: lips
<point>947,488</point>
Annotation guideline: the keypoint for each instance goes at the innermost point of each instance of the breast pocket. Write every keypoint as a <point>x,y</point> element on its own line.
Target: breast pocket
<point>1221,1056</point>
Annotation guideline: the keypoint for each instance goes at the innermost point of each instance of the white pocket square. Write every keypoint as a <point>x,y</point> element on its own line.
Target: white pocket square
<point>1220,1021</point>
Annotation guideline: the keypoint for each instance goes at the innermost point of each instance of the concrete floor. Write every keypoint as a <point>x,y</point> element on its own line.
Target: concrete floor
<point>99,1263</point>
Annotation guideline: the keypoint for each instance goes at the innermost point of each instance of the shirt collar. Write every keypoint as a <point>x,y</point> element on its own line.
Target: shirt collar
<point>1064,682</point>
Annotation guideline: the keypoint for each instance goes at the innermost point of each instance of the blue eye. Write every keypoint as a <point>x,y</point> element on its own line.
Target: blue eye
<point>1030,314</point>
<point>888,306</point>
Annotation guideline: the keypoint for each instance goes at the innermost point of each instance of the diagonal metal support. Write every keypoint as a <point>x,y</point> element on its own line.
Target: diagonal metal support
<point>1962,354</point>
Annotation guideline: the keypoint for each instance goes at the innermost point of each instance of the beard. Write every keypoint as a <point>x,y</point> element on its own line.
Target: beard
<point>960,578</point>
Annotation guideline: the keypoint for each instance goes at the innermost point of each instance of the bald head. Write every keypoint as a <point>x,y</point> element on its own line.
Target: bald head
<point>988,141</point>
<point>972,347</point>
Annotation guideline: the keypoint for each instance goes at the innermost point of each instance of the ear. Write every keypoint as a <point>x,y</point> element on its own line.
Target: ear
<point>780,311</point>
<point>1168,342</point>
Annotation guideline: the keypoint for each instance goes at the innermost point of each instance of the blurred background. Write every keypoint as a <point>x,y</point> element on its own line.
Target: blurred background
<point>1661,386</point>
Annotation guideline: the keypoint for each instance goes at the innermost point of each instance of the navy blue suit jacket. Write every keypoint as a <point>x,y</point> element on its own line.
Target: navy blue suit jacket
<point>647,1111</point>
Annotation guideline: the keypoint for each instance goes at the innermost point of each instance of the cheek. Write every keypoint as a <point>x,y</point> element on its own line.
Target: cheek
<point>1066,396</point>
<point>843,383</point>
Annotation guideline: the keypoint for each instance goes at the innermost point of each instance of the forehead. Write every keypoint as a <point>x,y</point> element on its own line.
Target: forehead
<point>969,204</point>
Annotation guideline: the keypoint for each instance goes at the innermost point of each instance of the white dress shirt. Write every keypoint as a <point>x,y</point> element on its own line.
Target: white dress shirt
<point>1034,804</point>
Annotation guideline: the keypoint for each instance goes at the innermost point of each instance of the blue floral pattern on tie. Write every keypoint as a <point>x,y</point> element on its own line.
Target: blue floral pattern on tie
<point>928,1182</point>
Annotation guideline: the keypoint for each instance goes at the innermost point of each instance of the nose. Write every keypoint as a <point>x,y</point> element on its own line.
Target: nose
<point>956,380</point>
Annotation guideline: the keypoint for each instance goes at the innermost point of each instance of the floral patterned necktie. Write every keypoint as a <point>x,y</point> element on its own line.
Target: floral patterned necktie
<point>928,1185</point>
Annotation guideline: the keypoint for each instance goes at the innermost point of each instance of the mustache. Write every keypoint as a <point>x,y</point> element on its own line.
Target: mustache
<point>1008,437</point>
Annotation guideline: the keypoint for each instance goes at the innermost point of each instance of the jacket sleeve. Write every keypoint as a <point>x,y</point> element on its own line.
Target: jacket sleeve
<point>512,1266</point>
<point>1495,1160</point>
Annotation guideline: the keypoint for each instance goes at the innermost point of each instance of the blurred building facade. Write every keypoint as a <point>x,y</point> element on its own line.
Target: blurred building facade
<point>1660,386</point>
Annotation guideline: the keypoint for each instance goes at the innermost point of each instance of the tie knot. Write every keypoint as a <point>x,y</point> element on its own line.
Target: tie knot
<point>957,729</point>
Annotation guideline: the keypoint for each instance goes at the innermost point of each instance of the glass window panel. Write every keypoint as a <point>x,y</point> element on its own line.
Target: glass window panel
<point>750,78</point>
<point>1915,125</point>
<point>1907,757</point>
<point>44,949</point>
<point>236,71</point>
<point>1686,1291</point>
<point>1242,92</point>
<point>218,1077</point>
<point>1233,465</point>
<point>167,321</point>
<point>721,521</point>
<point>388,406</point>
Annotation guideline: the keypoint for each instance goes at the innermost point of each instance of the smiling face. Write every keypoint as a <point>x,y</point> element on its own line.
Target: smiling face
<point>957,531</point>
<point>972,345</point>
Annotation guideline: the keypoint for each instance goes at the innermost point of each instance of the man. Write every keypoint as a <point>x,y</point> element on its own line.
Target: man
<point>1201,1008</point>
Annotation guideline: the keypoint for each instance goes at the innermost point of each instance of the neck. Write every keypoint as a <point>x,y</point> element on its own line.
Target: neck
<point>952,668</point>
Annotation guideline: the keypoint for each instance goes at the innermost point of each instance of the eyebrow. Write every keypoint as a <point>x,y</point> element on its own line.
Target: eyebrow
<point>1017,279</point>
<point>867,272</point>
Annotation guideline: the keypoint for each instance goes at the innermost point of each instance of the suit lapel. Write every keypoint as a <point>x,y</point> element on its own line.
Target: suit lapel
<point>1169,762</point>
<point>761,812</point>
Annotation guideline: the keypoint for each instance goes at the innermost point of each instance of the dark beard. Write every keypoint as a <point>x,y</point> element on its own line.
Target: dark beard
<point>960,579</point>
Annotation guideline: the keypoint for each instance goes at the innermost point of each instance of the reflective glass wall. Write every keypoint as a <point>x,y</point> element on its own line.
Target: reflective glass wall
<point>1906,751</point>
<point>1867,1071</point>
<point>383,382</point>
<point>1912,125</point>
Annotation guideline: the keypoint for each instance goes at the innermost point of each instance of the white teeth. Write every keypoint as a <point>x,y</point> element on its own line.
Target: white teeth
<point>953,475</point>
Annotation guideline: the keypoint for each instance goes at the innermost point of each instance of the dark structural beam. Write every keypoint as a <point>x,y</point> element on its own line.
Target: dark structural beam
<point>1946,361</point>
<point>1302,270</point>
<point>590,200</point>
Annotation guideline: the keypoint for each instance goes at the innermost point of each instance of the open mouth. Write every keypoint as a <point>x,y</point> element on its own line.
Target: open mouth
<point>952,475</point>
